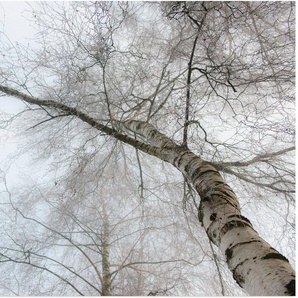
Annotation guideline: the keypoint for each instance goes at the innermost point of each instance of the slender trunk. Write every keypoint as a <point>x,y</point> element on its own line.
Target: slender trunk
<point>140,277</point>
<point>256,266</point>
<point>106,275</point>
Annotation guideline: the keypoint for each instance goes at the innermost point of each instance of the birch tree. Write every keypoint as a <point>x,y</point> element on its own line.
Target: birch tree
<point>206,87</point>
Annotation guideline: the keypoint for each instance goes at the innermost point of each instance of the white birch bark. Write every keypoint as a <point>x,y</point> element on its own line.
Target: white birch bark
<point>256,266</point>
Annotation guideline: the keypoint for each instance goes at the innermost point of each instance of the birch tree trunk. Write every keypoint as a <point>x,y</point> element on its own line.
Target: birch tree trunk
<point>220,77</point>
<point>256,266</point>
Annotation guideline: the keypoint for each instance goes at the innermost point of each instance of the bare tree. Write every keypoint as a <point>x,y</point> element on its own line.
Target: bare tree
<point>215,78</point>
<point>89,250</point>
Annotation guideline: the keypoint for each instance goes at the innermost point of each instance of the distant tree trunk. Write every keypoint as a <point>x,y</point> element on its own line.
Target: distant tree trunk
<point>106,274</point>
<point>256,266</point>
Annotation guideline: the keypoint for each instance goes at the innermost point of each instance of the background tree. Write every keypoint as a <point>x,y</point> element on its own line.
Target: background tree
<point>215,77</point>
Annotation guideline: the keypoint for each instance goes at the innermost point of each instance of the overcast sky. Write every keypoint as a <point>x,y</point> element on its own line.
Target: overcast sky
<point>13,21</point>
<point>17,28</point>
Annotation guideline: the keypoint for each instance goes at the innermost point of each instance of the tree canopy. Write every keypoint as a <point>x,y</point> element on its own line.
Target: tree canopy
<point>99,209</point>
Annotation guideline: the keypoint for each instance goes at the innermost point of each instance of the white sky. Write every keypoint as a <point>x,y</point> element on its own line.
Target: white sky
<point>17,28</point>
<point>13,21</point>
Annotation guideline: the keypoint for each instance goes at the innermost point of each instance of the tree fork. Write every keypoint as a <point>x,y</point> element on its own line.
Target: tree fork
<point>256,266</point>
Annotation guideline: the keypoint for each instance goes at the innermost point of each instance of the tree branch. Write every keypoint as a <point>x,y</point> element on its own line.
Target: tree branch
<point>8,259</point>
<point>259,158</point>
<point>149,149</point>
<point>187,103</point>
<point>266,185</point>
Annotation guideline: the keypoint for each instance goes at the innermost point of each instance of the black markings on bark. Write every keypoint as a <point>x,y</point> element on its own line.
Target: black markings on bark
<point>180,158</point>
<point>213,216</point>
<point>198,173</point>
<point>229,254</point>
<point>241,263</point>
<point>219,183</point>
<point>242,243</point>
<point>245,219</point>
<point>232,224</point>
<point>291,288</point>
<point>229,251</point>
<point>187,167</point>
<point>195,175</point>
<point>189,164</point>
<point>206,199</point>
<point>212,236</point>
<point>240,217</point>
<point>227,194</point>
<point>152,133</point>
<point>273,249</point>
<point>274,255</point>
<point>239,279</point>
<point>200,213</point>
